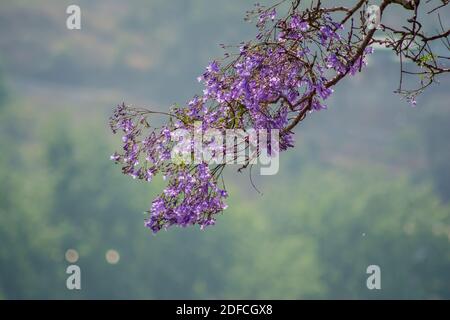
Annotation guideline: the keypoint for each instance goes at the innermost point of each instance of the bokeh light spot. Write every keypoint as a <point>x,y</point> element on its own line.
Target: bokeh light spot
<point>112,256</point>
<point>72,255</point>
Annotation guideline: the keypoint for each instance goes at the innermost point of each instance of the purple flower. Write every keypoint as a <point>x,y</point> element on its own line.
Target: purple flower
<point>334,63</point>
<point>273,14</point>
<point>298,24</point>
<point>213,67</point>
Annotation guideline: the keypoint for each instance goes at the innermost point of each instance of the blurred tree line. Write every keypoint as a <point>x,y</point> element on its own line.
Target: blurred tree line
<point>312,235</point>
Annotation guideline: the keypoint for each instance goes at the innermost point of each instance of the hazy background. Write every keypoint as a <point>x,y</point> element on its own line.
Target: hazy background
<point>368,182</point>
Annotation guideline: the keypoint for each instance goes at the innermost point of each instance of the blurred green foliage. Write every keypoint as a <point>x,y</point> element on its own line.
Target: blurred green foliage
<point>368,182</point>
<point>311,237</point>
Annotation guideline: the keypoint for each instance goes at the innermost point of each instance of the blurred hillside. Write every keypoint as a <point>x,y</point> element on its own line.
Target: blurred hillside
<point>153,48</point>
<point>368,181</point>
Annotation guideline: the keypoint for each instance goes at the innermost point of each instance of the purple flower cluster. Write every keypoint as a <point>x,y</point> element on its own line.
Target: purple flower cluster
<point>190,198</point>
<point>286,71</point>
<point>192,195</point>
